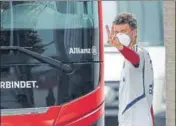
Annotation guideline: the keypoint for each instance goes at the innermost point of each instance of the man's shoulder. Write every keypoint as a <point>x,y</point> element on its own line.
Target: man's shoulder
<point>140,49</point>
<point>144,53</point>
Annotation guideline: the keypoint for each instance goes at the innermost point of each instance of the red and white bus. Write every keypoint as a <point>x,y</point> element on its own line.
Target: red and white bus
<point>51,69</point>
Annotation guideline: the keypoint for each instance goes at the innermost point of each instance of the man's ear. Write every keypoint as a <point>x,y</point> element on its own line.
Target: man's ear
<point>135,32</point>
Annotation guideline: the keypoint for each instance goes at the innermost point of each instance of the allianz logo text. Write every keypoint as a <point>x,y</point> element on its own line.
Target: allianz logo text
<point>78,50</point>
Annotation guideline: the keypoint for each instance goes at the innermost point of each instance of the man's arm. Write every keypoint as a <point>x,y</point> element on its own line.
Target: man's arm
<point>130,55</point>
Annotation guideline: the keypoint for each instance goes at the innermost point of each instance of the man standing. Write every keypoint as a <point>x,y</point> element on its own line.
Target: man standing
<point>136,84</point>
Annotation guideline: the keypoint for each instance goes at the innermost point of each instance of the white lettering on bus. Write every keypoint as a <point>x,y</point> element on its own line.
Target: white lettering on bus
<point>18,84</point>
<point>83,51</point>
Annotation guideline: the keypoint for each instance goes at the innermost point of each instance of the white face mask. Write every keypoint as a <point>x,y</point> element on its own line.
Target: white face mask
<point>124,39</point>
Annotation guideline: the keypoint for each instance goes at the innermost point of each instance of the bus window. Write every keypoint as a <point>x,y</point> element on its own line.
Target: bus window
<point>53,30</point>
<point>58,34</point>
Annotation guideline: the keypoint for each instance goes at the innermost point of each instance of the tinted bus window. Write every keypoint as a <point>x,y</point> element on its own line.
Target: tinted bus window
<point>67,35</point>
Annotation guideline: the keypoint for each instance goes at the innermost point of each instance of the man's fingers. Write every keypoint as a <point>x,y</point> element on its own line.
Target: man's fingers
<point>112,30</point>
<point>111,35</point>
<point>108,31</point>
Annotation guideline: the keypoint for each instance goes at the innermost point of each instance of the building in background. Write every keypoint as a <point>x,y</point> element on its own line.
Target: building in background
<point>149,15</point>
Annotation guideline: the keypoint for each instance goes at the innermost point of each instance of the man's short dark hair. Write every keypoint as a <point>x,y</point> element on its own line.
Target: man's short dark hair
<point>126,18</point>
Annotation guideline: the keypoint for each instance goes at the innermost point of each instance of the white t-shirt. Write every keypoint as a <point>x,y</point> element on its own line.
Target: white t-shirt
<point>135,91</point>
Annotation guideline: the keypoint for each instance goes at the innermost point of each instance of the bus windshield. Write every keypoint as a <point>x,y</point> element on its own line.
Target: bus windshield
<point>57,32</point>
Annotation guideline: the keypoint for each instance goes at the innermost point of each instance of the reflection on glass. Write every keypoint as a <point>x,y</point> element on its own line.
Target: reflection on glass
<point>49,30</point>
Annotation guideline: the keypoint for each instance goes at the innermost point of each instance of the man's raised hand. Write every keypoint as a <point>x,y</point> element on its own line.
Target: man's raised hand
<point>112,39</point>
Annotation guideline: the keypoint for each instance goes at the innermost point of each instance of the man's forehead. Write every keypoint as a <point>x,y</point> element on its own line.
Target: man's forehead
<point>120,27</point>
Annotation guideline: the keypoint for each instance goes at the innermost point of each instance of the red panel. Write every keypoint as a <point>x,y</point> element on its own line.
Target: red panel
<point>89,119</point>
<point>81,107</point>
<point>43,119</point>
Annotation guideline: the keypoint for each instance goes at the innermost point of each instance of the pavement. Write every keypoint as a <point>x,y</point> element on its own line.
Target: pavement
<point>160,119</point>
